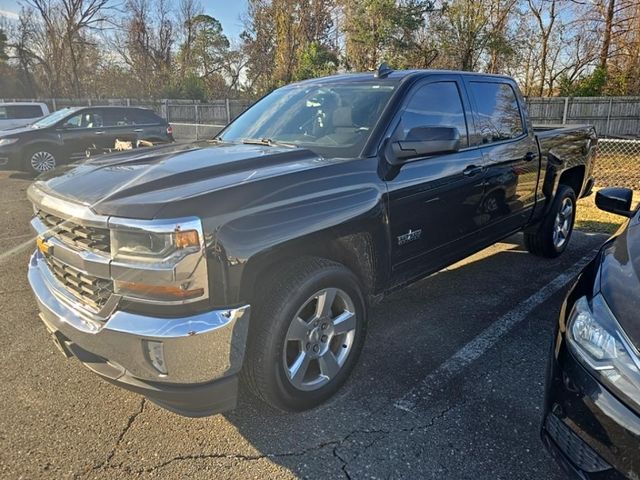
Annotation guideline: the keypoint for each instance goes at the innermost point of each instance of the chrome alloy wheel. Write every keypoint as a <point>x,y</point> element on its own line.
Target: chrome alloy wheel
<point>563,223</point>
<point>42,161</point>
<point>319,339</point>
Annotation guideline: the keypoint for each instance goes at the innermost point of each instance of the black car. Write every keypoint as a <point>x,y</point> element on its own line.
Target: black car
<point>592,406</point>
<point>260,251</point>
<point>67,134</point>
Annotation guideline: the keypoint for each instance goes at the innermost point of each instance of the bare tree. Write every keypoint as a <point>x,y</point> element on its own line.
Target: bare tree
<point>66,28</point>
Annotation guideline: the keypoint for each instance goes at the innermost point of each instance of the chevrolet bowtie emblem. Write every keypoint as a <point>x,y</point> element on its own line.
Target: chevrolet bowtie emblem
<point>43,246</point>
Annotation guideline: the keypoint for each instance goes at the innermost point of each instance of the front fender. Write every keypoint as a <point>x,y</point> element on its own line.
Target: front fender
<point>310,209</point>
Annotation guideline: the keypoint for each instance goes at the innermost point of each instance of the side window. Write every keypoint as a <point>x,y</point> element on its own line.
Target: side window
<point>436,105</point>
<point>498,115</point>
<point>116,117</point>
<point>85,119</point>
<point>144,117</point>
<point>24,111</point>
<point>3,113</point>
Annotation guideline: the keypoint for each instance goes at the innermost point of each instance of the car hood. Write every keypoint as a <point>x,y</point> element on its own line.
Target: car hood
<point>138,184</point>
<point>12,131</point>
<point>620,278</point>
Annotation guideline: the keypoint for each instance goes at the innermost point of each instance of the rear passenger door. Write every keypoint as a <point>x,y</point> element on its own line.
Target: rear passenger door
<point>510,156</point>
<point>433,200</point>
<point>120,126</point>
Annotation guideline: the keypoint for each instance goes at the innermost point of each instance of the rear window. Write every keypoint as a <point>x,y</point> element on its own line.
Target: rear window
<point>497,115</point>
<point>144,117</point>
<point>20,111</point>
<point>124,117</point>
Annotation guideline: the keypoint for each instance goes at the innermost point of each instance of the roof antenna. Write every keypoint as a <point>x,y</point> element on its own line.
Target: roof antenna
<point>384,70</point>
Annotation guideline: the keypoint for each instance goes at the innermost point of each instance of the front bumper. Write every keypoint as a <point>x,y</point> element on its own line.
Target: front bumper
<point>9,157</point>
<point>588,430</point>
<point>203,353</point>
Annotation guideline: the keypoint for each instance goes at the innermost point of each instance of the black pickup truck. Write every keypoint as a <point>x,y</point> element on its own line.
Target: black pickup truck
<point>177,270</point>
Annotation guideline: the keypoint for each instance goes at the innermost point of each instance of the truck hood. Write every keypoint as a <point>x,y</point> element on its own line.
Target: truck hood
<point>620,278</point>
<point>138,184</point>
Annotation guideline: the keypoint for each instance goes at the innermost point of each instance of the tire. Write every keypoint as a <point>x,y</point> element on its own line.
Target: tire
<point>554,233</point>
<point>38,160</point>
<point>286,333</point>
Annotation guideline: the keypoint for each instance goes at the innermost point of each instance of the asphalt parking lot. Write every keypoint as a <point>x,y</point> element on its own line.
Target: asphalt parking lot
<point>449,385</point>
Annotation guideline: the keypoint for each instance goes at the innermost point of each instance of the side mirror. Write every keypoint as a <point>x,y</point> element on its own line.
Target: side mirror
<point>615,200</point>
<point>423,141</point>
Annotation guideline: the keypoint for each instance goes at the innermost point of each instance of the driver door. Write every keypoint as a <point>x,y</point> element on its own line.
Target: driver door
<point>434,200</point>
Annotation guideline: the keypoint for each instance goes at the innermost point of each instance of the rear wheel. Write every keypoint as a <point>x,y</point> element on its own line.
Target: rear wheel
<point>554,233</point>
<point>40,160</point>
<point>306,335</point>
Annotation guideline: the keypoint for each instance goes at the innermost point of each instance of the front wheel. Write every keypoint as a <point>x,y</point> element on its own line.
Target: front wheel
<point>306,335</point>
<point>554,233</point>
<point>40,160</point>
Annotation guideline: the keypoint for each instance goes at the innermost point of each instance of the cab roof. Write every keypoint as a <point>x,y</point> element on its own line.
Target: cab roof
<point>395,76</point>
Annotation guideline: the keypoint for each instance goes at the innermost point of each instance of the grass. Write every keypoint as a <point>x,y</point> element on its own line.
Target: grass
<point>590,218</point>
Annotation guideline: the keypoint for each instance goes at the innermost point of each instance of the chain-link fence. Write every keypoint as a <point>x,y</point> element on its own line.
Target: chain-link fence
<point>617,122</point>
<point>618,163</point>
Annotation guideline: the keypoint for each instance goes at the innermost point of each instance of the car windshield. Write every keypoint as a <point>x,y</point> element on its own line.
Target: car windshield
<point>52,118</point>
<point>332,120</point>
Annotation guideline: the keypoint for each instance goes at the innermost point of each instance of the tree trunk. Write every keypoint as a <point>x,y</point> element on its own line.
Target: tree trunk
<point>606,41</point>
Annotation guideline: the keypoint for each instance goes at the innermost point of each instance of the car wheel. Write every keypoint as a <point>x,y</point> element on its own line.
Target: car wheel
<point>40,160</point>
<point>306,334</point>
<point>554,233</point>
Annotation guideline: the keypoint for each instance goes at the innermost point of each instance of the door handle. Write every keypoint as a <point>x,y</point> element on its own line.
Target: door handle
<point>101,132</point>
<point>139,130</point>
<point>472,170</point>
<point>529,156</point>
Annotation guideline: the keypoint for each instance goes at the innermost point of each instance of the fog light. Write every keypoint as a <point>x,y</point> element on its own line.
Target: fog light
<point>155,354</point>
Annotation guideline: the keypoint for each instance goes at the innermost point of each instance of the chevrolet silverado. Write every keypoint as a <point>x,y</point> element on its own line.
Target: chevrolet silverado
<point>178,270</point>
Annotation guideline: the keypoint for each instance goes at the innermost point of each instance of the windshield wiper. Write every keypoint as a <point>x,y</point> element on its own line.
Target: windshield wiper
<point>266,142</point>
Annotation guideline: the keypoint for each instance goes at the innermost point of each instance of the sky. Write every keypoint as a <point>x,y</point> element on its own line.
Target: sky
<point>227,11</point>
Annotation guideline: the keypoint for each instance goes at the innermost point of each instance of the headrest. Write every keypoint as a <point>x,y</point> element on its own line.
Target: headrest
<point>342,117</point>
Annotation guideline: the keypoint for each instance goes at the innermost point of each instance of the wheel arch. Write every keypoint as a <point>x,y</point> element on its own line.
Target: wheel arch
<point>356,251</point>
<point>574,178</point>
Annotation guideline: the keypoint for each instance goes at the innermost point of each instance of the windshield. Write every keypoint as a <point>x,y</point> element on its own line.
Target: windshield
<point>331,120</point>
<point>51,119</point>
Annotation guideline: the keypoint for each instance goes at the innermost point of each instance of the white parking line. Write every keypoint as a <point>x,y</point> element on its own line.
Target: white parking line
<point>488,337</point>
<point>15,250</point>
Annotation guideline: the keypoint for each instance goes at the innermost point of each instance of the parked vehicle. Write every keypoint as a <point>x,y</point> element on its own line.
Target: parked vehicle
<point>592,404</point>
<point>68,134</point>
<point>19,114</point>
<point>315,202</point>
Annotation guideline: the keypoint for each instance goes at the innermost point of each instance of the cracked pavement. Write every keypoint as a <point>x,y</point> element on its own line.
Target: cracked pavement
<point>60,421</point>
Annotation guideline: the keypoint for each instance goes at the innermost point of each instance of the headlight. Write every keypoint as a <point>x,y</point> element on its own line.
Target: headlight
<point>144,246</point>
<point>159,261</point>
<point>7,141</point>
<point>597,339</point>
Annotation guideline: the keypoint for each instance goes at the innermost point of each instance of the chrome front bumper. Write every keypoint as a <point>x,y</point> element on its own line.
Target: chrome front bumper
<point>198,349</point>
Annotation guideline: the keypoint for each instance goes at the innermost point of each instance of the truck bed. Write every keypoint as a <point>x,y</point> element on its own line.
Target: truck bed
<point>570,146</point>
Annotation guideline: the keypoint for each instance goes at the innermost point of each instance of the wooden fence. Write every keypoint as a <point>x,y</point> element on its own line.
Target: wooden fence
<point>612,116</point>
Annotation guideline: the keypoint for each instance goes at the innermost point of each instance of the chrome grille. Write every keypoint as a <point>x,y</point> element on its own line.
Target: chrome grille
<point>92,291</point>
<point>87,238</point>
